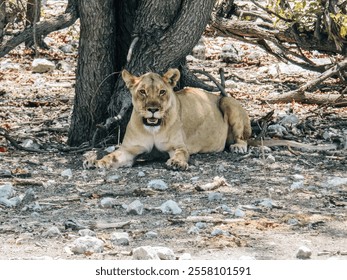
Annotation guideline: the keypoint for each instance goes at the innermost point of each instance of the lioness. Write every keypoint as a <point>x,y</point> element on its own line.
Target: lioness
<point>180,123</point>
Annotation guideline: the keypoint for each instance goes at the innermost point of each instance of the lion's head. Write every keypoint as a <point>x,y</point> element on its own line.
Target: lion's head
<point>152,94</point>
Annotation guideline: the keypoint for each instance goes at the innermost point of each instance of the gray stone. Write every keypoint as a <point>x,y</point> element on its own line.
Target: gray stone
<point>277,130</point>
<point>86,232</point>
<point>153,253</point>
<point>267,203</point>
<point>292,222</point>
<point>113,178</point>
<point>67,49</point>
<point>120,238</point>
<point>297,185</point>
<point>201,225</point>
<point>108,202</point>
<point>194,230</point>
<point>87,244</point>
<point>157,185</point>
<point>194,179</point>
<point>271,159</point>
<point>217,231</point>
<point>6,191</point>
<point>335,182</point>
<point>110,149</point>
<point>230,54</point>
<point>289,120</point>
<point>199,51</point>
<point>239,213</point>
<point>226,208</point>
<point>151,234</point>
<point>13,202</point>
<point>67,173</point>
<point>298,177</point>
<point>29,197</point>
<point>170,207</point>
<point>41,65</point>
<point>141,174</point>
<point>52,232</point>
<point>215,196</point>
<point>136,208</point>
<point>303,253</point>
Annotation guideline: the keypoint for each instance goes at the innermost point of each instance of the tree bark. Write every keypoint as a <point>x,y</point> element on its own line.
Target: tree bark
<point>96,63</point>
<point>2,19</point>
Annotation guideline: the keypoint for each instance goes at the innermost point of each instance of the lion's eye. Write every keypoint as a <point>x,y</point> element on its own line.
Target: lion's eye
<point>142,92</point>
<point>162,92</point>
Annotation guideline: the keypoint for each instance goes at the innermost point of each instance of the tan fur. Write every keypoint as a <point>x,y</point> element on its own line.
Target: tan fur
<point>191,121</point>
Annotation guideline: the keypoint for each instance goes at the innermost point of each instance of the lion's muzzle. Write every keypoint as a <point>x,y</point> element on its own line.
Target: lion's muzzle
<point>151,121</point>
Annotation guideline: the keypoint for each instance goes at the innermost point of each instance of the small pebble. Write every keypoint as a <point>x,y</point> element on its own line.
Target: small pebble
<point>185,256</point>
<point>135,208</point>
<point>52,232</point>
<point>67,173</point>
<point>87,244</point>
<point>153,253</point>
<point>151,234</point>
<point>217,231</point>
<point>292,222</point>
<point>271,159</point>
<point>120,238</point>
<point>141,174</point>
<point>239,213</point>
<point>108,202</point>
<point>193,230</point>
<point>297,185</point>
<point>159,185</point>
<point>86,232</point>
<point>201,225</point>
<point>6,191</point>
<point>113,178</point>
<point>215,196</point>
<point>304,253</point>
<point>170,207</point>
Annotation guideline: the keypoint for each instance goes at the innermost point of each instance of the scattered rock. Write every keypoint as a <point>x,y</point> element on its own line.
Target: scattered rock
<point>4,173</point>
<point>87,244</point>
<point>230,54</point>
<point>141,174</point>
<point>113,178</point>
<point>194,230</point>
<point>215,196</point>
<point>86,232</point>
<point>67,49</point>
<point>289,120</point>
<point>297,185</point>
<point>52,232</point>
<point>151,234</point>
<point>41,65</point>
<point>67,173</point>
<point>108,202</point>
<point>271,159</point>
<point>335,182</point>
<point>277,130</point>
<point>239,213</point>
<point>199,51</point>
<point>298,177</point>
<point>153,253</point>
<point>110,149</point>
<point>293,222</point>
<point>29,197</point>
<point>120,238</point>
<point>6,191</point>
<point>304,253</point>
<point>170,207</point>
<point>135,208</point>
<point>159,185</point>
<point>201,225</point>
<point>217,231</point>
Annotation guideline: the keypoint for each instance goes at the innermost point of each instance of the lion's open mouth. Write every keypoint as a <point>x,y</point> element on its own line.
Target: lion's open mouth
<point>151,121</point>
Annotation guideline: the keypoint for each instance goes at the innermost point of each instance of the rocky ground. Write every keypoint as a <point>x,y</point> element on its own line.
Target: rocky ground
<point>272,203</point>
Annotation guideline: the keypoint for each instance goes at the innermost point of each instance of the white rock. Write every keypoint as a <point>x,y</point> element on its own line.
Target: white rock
<point>298,177</point>
<point>120,238</point>
<point>335,182</point>
<point>52,232</point>
<point>141,174</point>
<point>239,213</point>
<point>86,232</point>
<point>108,202</point>
<point>215,196</point>
<point>136,208</point>
<point>41,65</point>
<point>157,185</point>
<point>230,54</point>
<point>151,234</point>
<point>153,253</point>
<point>87,244</point>
<point>113,178</point>
<point>185,256</point>
<point>271,159</point>
<point>170,207</point>
<point>6,191</point>
<point>297,185</point>
<point>304,253</point>
<point>67,173</point>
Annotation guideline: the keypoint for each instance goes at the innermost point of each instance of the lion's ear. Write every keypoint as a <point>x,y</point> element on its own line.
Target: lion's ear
<point>129,79</point>
<point>172,76</point>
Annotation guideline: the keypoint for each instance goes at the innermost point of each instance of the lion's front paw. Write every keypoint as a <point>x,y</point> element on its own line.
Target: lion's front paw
<point>105,162</point>
<point>176,164</point>
<point>240,148</point>
<point>89,160</point>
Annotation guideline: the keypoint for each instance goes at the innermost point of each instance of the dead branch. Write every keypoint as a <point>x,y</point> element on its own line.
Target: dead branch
<point>301,95</point>
<point>42,29</point>
<point>220,87</point>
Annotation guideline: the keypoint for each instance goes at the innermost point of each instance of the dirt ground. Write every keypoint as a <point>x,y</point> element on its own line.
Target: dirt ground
<point>265,204</point>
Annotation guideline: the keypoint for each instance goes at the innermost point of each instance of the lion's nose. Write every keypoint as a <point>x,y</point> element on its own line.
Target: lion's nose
<point>153,110</point>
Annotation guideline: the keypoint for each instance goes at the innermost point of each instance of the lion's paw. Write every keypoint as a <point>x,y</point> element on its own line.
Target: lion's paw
<point>176,164</point>
<point>240,148</point>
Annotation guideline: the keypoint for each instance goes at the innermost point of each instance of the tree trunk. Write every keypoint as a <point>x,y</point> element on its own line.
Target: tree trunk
<point>96,62</point>
<point>2,19</point>
<point>33,15</point>
<point>161,34</point>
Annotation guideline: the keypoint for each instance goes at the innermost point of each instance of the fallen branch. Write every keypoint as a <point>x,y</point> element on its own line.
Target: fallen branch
<point>42,29</point>
<point>301,95</point>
